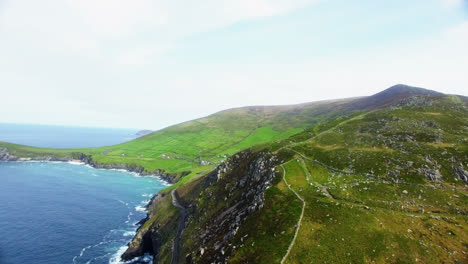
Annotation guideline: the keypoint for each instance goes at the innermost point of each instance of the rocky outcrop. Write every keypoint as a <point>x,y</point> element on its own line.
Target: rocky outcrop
<point>460,173</point>
<point>151,235</point>
<point>241,186</point>
<point>415,101</point>
<point>5,155</point>
<point>431,174</point>
<point>216,204</point>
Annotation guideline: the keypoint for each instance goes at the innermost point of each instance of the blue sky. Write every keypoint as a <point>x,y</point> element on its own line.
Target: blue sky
<point>150,64</point>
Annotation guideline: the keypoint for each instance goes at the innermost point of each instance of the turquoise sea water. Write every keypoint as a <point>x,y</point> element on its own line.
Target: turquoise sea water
<point>67,213</point>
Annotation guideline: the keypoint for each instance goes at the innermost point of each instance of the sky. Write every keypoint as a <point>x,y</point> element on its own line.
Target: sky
<point>150,64</point>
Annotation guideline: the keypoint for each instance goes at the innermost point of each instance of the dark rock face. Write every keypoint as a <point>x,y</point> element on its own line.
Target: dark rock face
<point>5,155</point>
<point>128,167</point>
<point>239,186</point>
<point>217,205</point>
<point>147,240</point>
<point>460,173</point>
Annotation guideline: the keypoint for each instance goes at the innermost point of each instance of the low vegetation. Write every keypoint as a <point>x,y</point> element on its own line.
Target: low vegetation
<point>382,183</point>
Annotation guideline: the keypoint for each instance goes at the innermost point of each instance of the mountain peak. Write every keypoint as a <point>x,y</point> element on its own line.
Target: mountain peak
<point>406,90</point>
<point>390,96</point>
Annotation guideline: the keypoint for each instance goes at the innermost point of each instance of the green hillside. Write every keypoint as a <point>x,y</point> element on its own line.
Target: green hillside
<point>197,145</point>
<point>383,185</point>
<point>377,179</point>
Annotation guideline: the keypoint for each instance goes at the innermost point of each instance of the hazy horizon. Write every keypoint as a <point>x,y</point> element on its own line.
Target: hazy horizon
<point>151,64</point>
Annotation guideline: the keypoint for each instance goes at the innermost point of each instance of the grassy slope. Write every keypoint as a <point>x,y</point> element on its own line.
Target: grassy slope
<point>360,175</point>
<point>382,210</point>
<point>182,147</point>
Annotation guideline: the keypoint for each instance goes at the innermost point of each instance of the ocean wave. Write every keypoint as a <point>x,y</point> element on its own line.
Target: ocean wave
<point>128,217</point>
<point>83,250</point>
<point>78,162</point>
<point>115,259</point>
<point>129,233</point>
<point>75,162</point>
<point>122,202</point>
<point>140,208</point>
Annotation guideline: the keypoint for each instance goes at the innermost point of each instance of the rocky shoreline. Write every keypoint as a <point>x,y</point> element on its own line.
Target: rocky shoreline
<point>88,160</point>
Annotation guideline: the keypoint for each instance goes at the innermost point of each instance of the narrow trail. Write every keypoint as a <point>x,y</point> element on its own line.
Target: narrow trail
<point>300,218</point>
<point>180,227</point>
<point>309,176</point>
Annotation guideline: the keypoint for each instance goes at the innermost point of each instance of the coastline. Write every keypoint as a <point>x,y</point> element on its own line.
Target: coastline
<point>116,257</point>
<point>88,160</point>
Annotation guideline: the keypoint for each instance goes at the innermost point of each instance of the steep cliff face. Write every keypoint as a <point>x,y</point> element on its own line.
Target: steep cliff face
<point>217,205</point>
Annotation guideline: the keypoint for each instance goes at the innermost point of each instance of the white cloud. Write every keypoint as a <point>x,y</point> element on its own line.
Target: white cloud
<point>119,28</point>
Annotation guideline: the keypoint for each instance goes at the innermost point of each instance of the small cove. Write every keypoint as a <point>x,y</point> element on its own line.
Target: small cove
<point>69,213</point>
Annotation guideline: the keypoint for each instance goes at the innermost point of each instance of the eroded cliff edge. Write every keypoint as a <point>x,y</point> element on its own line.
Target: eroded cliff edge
<point>217,205</point>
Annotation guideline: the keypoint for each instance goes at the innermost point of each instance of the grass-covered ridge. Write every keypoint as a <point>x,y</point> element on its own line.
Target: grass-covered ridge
<point>375,185</point>
<point>195,146</point>
<point>379,187</point>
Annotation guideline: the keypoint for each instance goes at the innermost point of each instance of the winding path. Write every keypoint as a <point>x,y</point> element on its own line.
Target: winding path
<point>300,218</point>
<point>180,227</point>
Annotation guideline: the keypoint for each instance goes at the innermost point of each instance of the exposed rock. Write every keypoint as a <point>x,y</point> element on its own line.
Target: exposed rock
<point>243,180</point>
<point>205,162</point>
<point>431,174</point>
<point>415,101</point>
<point>5,155</point>
<point>460,173</point>
<point>245,186</point>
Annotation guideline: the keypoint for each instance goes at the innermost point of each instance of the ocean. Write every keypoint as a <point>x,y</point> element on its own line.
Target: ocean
<point>57,212</point>
<point>48,136</point>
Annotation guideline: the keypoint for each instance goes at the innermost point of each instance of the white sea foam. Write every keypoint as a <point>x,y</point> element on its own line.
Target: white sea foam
<point>83,250</point>
<point>140,208</point>
<point>78,162</point>
<point>81,253</point>
<point>115,259</point>
<point>75,162</point>
<point>129,233</point>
